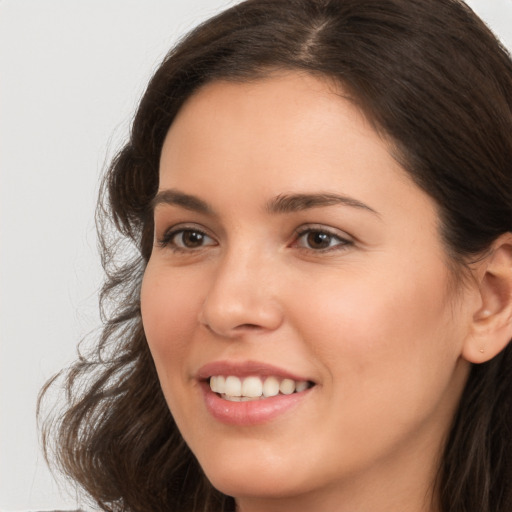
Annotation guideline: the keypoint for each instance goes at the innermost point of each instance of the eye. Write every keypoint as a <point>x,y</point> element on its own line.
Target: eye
<point>320,240</point>
<point>186,239</point>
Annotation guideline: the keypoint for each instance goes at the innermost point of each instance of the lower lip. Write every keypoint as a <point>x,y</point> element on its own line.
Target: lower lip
<point>253,412</point>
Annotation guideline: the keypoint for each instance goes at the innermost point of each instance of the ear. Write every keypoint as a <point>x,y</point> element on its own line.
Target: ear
<point>491,328</point>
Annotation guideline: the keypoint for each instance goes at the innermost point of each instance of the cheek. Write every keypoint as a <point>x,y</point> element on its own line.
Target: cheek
<point>380,331</point>
<point>390,351</point>
<point>170,311</point>
<point>370,307</point>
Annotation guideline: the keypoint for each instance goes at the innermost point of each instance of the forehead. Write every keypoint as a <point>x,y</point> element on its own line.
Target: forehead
<point>287,125</point>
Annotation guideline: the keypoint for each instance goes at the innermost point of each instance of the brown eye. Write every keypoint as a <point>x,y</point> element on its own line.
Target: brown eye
<point>318,240</point>
<point>190,239</point>
<point>186,240</point>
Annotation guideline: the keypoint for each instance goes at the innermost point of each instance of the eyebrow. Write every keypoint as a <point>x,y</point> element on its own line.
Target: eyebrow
<point>175,198</point>
<point>287,203</point>
<point>283,203</point>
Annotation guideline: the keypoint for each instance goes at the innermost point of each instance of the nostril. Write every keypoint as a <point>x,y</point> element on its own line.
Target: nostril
<point>227,317</point>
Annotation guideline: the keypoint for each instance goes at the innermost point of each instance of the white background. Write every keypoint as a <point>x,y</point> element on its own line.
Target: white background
<point>71,73</point>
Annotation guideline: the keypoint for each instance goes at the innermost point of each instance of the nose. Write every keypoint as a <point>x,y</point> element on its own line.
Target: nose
<point>242,297</point>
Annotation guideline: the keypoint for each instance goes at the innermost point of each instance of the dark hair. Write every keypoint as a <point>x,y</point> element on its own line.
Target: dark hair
<point>435,81</point>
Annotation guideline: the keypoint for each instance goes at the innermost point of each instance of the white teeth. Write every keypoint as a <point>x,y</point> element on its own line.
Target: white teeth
<point>233,386</point>
<point>301,386</point>
<point>252,387</point>
<point>238,390</point>
<point>218,383</point>
<point>270,387</point>
<point>287,386</point>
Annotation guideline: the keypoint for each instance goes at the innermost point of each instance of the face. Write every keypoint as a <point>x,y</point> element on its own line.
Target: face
<point>299,272</point>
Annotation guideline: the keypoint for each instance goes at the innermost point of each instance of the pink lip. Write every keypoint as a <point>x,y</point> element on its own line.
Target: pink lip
<point>253,412</point>
<point>244,369</point>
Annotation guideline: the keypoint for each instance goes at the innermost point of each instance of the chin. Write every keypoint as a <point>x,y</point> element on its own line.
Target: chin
<point>251,486</point>
<point>252,480</point>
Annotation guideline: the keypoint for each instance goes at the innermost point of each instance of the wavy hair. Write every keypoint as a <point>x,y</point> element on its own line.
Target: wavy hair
<point>430,76</point>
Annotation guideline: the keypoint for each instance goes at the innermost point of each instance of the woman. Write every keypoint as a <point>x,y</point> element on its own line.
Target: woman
<point>319,310</point>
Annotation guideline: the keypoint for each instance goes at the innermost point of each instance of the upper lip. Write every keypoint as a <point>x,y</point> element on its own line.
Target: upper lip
<point>245,369</point>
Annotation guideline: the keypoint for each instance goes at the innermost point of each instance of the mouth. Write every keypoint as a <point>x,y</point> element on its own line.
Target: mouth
<point>251,388</point>
<point>251,393</point>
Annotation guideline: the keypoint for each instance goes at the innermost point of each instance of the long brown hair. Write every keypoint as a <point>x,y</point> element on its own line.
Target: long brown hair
<point>431,77</point>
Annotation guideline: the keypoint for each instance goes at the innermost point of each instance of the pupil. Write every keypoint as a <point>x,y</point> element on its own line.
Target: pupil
<point>192,238</point>
<point>318,240</point>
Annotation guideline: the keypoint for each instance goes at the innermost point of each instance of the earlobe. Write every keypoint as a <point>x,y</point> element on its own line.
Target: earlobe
<point>491,328</point>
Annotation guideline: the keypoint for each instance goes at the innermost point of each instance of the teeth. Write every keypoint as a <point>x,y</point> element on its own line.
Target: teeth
<point>218,383</point>
<point>233,386</point>
<point>301,386</point>
<point>270,387</point>
<point>237,390</point>
<point>252,387</point>
<point>287,386</point>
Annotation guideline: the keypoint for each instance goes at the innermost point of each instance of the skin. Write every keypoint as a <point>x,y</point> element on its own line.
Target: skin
<point>375,320</point>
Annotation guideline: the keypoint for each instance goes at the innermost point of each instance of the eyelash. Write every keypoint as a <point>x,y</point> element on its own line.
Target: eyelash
<point>168,239</point>
<point>342,243</point>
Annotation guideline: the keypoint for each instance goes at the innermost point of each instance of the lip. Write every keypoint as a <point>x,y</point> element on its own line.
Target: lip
<point>245,369</point>
<point>254,412</point>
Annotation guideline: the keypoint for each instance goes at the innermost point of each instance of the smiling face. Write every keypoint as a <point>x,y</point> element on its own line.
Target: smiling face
<point>291,249</point>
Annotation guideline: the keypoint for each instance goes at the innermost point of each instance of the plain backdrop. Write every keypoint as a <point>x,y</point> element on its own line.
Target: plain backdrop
<point>71,73</point>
